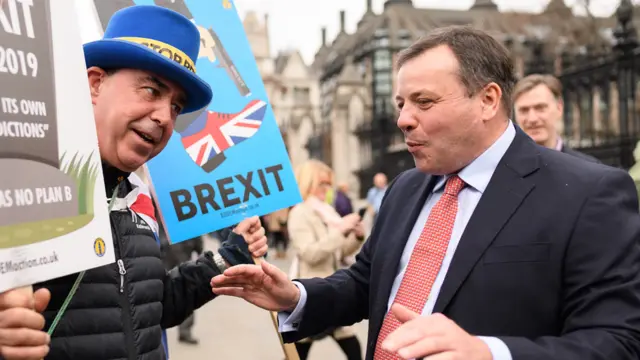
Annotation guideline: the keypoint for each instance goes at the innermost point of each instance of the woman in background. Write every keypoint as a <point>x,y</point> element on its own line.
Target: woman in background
<point>320,237</point>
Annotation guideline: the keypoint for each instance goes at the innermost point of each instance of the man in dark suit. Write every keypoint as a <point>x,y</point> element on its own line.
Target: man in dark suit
<point>538,105</point>
<point>494,247</point>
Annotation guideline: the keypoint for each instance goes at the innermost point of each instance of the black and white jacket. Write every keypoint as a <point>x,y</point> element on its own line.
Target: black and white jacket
<point>120,310</point>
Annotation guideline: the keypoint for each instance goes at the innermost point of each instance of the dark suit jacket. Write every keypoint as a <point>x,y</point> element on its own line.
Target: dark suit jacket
<point>567,150</point>
<point>549,261</point>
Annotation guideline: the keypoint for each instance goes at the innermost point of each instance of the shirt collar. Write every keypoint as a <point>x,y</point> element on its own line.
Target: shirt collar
<point>479,172</point>
<point>559,144</point>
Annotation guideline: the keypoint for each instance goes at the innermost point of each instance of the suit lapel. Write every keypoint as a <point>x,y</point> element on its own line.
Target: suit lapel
<point>392,239</point>
<point>507,189</point>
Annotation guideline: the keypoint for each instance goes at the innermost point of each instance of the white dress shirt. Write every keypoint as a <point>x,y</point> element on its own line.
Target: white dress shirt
<point>477,176</point>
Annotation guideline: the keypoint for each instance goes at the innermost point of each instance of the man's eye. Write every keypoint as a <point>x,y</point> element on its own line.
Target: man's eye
<point>399,106</point>
<point>152,91</point>
<point>423,101</point>
<point>177,108</point>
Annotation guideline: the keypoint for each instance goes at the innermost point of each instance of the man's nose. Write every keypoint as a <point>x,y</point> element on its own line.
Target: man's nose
<point>406,121</point>
<point>163,114</point>
<point>527,118</point>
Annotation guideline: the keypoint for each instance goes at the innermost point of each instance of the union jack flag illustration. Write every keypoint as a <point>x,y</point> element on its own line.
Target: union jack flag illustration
<point>212,133</point>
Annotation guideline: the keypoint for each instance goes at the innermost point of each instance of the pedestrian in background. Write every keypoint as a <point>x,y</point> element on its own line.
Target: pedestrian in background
<point>320,238</point>
<point>276,224</point>
<point>342,202</point>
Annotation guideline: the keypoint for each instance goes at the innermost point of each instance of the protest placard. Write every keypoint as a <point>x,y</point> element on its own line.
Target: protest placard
<point>228,161</point>
<point>53,206</point>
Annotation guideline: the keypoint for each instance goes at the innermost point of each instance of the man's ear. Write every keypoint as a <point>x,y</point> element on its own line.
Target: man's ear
<point>560,102</point>
<point>96,78</point>
<point>491,100</point>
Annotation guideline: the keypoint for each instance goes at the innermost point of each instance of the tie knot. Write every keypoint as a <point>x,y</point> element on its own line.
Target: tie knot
<point>454,185</point>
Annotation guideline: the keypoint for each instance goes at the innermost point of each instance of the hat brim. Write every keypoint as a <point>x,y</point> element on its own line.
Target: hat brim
<point>114,54</point>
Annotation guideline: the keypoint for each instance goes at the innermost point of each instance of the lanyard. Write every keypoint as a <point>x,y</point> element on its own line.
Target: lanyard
<point>76,284</point>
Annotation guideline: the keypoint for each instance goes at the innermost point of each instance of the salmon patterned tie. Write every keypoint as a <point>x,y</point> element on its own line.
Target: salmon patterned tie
<point>425,261</point>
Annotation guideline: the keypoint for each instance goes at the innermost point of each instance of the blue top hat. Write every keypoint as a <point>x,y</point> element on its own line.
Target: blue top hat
<point>154,39</point>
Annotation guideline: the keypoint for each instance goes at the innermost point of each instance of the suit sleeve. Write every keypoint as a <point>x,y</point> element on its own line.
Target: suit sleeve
<point>338,300</point>
<point>186,288</point>
<point>341,299</point>
<point>601,275</point>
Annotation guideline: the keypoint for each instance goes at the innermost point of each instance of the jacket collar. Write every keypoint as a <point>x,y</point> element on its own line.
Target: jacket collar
<point>112,177</point>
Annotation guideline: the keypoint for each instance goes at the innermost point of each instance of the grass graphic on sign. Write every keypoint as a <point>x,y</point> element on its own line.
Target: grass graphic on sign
<point>85,173</point>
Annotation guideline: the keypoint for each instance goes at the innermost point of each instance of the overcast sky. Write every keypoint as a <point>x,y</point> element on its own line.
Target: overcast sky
<point>297,23</point>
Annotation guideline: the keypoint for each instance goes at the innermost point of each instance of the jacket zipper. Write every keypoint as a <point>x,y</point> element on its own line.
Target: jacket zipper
<point>123,272</point>
<point>127,323</point>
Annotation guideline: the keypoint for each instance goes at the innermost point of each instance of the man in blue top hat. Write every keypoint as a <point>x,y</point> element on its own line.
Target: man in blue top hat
<point>141,77</point>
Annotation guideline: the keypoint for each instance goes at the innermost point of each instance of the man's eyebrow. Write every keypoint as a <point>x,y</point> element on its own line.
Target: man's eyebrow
<point>422,92</point>
<point>162,85</point>
<point>416,94</point>
<point>537,104</point>
<point>159,83</point>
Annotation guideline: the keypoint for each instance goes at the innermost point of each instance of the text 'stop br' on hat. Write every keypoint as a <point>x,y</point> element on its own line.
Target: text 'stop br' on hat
<point>155,39</point>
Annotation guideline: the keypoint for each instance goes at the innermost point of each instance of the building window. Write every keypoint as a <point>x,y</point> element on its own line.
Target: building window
<point>383,77</point>
<point>383,88</point>
<point>382,42</point>
<point>379,102</point>
<point>326,88</point>
<point>382,82</point>
<point>381,59</point>
<point>383,105</point>
<point>301,95</point>
<point>404,38</point>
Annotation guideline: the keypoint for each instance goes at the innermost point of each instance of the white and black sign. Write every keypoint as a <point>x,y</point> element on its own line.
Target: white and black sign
<point>27,94</point>
<point>53,217</point>
<point>32,187</point>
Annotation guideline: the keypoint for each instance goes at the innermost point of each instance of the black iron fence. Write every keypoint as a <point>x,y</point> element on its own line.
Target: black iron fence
<point>600,92</point>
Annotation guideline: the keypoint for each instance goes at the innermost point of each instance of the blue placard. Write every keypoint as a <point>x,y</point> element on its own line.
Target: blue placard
<point>226,162</point>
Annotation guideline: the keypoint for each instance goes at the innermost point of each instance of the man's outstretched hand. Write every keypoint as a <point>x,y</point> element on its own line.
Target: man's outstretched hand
<point>262,285</point>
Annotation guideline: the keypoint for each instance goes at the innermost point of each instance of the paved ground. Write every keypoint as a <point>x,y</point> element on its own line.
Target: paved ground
<point>231,329</point>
